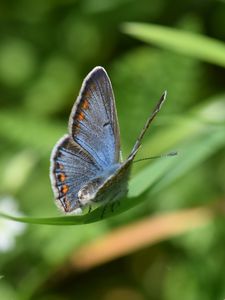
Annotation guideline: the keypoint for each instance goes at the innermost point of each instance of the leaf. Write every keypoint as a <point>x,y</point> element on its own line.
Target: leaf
<point>152,176</point>
<point>191,44</point>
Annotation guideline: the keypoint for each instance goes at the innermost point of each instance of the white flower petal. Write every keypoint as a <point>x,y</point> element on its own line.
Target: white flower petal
<point>9,229</point>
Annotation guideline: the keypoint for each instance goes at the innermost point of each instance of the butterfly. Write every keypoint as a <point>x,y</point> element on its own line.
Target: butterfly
<point>86,166</point>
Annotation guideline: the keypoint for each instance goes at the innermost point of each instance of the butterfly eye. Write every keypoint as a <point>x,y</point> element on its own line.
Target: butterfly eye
<point>84,194</point>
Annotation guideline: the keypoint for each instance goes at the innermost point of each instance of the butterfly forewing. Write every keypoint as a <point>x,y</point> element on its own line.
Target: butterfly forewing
<point>93,121</point>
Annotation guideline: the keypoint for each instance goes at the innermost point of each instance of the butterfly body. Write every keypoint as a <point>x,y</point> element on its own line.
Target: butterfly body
<point>86,168</point>
<point>88,191</point>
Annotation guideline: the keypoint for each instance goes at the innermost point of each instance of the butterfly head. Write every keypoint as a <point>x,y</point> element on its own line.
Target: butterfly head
<point>88,191</point>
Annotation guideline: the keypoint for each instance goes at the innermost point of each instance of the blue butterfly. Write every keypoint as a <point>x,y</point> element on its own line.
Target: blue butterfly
<point>86,167</point>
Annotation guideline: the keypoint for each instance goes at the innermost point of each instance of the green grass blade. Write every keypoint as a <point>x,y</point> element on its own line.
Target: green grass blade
<point>191,44</point>
<point>95,216</point>
<point>158,175</point>
<point>192,155</point>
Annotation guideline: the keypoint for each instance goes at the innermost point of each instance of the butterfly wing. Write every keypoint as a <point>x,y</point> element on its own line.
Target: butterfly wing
<point>115,186</point>
<point>71,168</point>
<point>93,121</point>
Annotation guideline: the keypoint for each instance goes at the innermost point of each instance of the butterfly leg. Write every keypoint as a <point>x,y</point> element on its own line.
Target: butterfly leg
<point>103,210</point>
<point>114,205</point>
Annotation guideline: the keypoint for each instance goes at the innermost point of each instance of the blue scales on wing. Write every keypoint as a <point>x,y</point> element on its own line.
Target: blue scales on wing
<point>71,168</point>
<point>93,121</point>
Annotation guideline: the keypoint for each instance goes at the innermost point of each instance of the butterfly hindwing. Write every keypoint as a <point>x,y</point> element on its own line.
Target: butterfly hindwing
<point>71,168</point>
<point>93,121</point>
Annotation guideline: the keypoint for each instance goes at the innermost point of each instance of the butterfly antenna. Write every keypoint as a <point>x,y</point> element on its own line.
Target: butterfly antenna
<point>173,153</point>
<point>148,122</point>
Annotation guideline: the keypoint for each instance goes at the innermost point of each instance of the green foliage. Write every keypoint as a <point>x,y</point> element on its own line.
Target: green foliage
<point>191,44</point>
<point>46,50</point>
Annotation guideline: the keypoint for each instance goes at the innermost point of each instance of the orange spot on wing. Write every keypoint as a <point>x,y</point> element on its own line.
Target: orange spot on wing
<point>65,189</point>
<point>85,104</point>
<point>80,116</point>
<point>62,177</point>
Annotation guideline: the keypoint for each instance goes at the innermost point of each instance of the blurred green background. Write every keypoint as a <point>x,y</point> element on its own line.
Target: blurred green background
<point>46,49</point>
